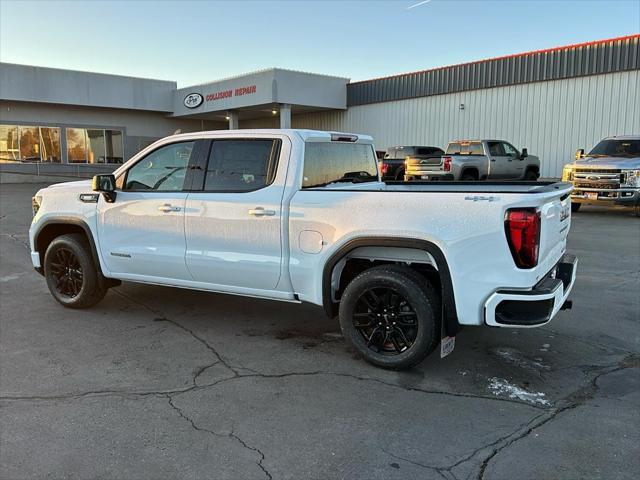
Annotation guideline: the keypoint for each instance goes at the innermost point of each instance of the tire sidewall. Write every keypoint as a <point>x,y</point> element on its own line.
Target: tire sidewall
<point>85,259</point>
<point>412,293</point>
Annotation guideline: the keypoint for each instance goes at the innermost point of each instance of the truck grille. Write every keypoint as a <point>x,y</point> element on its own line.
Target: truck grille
<point>600,178</point>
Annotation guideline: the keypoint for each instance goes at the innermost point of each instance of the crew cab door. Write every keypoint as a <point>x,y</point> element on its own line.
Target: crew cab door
<point>141,234</point>
<point>514,166</point>
<point>498,161</point>
<point>233,224</point>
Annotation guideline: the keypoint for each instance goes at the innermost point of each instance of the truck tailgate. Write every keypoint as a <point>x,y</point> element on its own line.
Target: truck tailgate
<point>555,213</point>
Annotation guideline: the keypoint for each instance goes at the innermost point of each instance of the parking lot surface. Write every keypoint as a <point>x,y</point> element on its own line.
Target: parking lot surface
<point>157,383</point>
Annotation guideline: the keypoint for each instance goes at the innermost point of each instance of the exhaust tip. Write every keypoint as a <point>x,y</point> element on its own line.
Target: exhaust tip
<point>567,305</point>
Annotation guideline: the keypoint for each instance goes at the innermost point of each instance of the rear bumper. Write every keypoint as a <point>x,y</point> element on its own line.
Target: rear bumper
<point>431,176</point>
<point>535,307</point>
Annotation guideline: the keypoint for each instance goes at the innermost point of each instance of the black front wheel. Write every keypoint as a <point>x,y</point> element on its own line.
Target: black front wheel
<point>71,273</point>
<point>575,207</point>
<point>390,315</point>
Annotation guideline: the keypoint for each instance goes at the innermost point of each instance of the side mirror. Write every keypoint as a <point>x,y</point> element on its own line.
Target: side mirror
<point>105,184</point>
<point>579,153</point>
<point>524,154</point>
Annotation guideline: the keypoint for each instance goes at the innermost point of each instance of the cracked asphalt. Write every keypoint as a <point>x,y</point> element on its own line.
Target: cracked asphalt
<point>160,383</point>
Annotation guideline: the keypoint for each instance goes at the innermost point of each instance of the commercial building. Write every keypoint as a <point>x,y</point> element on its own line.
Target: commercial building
<point>61,122</point>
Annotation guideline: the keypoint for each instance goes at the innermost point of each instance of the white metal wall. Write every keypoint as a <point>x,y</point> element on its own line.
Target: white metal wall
<point>552,119</point>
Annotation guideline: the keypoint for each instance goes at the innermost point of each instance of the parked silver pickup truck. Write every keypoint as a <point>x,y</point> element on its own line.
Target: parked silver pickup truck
<point>470,160</point>
<point>609,174</point>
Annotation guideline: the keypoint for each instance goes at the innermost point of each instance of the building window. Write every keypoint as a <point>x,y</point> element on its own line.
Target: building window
<point>87,145</point>
<point>76,145</point>
<point>20,143</point>
<point>9,151</point>
<point>50,144</point>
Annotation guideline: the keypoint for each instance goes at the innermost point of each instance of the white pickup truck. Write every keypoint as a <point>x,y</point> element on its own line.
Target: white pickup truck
<point>302,216</point>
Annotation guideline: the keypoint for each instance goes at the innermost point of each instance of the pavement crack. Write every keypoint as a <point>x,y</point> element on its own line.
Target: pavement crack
<point>92,393</point>
<point>413,462</point>
<point>162,318</point>
<point>231,434</point>
<point>573,401</point>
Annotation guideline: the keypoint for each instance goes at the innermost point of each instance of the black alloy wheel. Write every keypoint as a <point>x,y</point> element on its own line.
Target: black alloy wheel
<point>386,321</point>
<point>72,274</point>
<point>391,315</point>
<point>67,272</point>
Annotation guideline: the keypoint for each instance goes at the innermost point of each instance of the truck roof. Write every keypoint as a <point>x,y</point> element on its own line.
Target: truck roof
<point>623,137</point>
<point>305,134</point>
<point>477,140</point>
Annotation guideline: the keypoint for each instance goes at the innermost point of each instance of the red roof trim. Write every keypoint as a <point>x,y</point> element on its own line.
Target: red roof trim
<point>524,54</point>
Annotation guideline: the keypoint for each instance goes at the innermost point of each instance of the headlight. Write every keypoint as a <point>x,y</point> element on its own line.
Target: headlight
<point>567,173</point>
<point>631,178</point>
<point>35,203</point>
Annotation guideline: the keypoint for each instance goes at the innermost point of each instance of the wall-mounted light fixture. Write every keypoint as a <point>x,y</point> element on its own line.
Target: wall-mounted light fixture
<point>274,112</point>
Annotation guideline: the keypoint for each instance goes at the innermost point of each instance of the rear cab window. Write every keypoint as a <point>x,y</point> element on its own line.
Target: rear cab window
<point>338,162</point>
<point>465,148</point>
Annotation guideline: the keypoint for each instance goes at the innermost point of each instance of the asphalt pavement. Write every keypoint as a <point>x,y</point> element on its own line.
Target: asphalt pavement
<point>162,383</point>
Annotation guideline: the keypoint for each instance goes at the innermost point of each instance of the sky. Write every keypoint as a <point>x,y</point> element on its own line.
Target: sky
<point>194,42</point>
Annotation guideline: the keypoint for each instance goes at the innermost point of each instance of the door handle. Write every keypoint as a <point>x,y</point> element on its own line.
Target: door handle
<point>261,212</point>
<point>168,208</point>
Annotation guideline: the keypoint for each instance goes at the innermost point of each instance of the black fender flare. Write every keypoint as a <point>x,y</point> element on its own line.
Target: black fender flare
<point>448,299</point>
<point>67,221</point>
<point>475,170</point>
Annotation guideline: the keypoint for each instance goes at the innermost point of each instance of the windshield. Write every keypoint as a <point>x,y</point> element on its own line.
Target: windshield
<point>616,148</point>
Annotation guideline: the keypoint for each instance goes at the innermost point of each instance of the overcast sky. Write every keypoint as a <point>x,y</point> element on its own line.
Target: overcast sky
<point>199,41</point>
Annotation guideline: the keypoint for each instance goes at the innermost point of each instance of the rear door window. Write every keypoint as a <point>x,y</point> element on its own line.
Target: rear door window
<point>329,162</point>
<point>495,149</point>
<point>241,165</point>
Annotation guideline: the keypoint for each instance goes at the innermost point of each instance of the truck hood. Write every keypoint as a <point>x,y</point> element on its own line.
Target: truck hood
<point>74,185</point>
<point>607,162</point>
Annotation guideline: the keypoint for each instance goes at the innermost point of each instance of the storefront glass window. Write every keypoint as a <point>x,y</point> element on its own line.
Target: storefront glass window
<point>29,144</point>
<point>115,151</point>
<point>50,148</point>
<point>76,145</point>
<point>9,151</point>
<point>95,146</point>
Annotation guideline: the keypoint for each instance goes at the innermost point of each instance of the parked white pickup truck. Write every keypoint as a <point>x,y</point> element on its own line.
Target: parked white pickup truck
<point>302,216</point>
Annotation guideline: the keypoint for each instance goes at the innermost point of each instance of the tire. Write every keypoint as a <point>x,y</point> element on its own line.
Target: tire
<point>402,327</point>
<point>468,177</point>
<point>531,176</point>
<point>400,175</point>
<point>575,207</point>
<point>71,273</point>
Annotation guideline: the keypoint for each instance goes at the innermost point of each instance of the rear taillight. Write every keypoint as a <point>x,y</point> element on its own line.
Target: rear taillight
<point>447,163</point>
<point>383,167</point>
<point>522,226</point>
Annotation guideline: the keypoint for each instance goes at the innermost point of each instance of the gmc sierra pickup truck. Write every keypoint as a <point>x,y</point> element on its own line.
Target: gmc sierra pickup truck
<point>302,216</point>
<point>471,160</point>
<point>608,175</point>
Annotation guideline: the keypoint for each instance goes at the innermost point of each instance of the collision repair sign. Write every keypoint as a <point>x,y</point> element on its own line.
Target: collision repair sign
<point>248,90</point>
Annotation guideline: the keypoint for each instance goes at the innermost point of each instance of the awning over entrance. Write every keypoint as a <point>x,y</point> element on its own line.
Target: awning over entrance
<point>262,94</point>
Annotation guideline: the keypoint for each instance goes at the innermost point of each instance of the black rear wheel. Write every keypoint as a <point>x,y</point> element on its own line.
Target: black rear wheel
<point>531,176</point>
<point>390,315</point>
<point>71,273</point>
